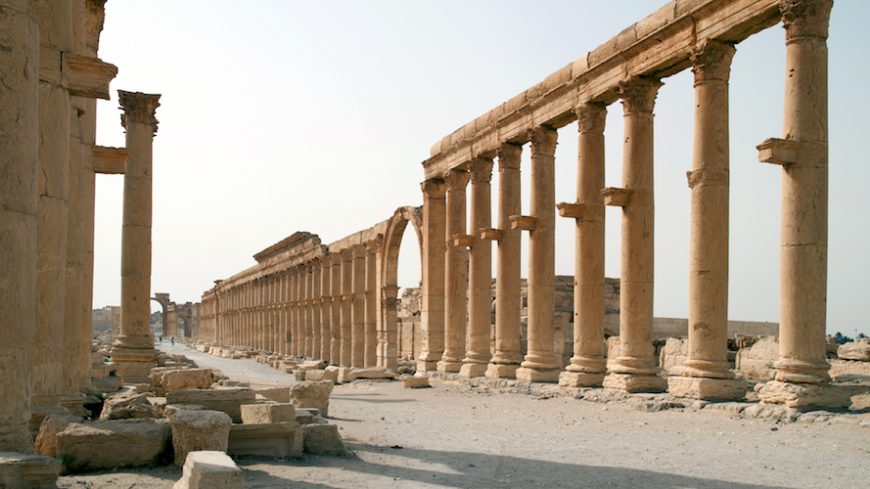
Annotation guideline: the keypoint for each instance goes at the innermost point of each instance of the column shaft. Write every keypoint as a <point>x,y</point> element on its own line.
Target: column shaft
<point>371,298</point>
<point>432,308</point>
<point>335,311</point>
<point>346,308</point>
<point>358,304</point>
<point>315,310</point>
<point>325,312</point>
<point>455,274</point>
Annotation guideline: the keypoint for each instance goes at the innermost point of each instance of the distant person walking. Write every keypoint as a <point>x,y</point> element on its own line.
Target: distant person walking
<point>172,340</point>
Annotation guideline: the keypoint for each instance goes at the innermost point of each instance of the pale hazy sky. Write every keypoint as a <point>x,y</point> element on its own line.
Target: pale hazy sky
<point>280,116</point>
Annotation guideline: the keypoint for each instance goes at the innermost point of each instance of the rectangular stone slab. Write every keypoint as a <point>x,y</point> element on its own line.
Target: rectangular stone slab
<point>225,400</point>
<point>111,444</point>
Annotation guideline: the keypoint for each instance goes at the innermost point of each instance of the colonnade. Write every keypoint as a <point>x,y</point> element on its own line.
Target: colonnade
<point>455,329</point>
<point>52,78</point>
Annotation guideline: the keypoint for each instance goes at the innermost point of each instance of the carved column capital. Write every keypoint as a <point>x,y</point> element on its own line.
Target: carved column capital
<point>543,140</point>
<point>433,188</point>
<point>457,179</point>
<point>139,107</point>
<point>712,61</point>
<point>805,18</point>
<point>591,117</point>
<point>509,155</point>
<point>481,170</point>
<point>639,94</point>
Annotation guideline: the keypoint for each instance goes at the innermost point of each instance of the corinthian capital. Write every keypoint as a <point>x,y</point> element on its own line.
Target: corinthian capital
<point>639,94</point>
<point>805,18</point>
<point>138,107</point>
<point>712,61</point>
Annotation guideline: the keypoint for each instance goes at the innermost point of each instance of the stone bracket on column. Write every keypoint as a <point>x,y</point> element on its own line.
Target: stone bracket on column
<point>616,197</point>
<point>787,152</point>
<point>708,177</point>
<point>571,210</point>
<point>523,223</point>
<point>490,234</point>
<point>87,77</point>
<point>462,240</point>
<point>109,160</point>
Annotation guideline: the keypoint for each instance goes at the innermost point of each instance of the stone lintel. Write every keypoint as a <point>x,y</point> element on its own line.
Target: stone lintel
<point>523,223</point>
<point>88,77</point>
<point>490,234</point>
<point>616,197</point>
<point>787,152</point>
<point>109,160</point>
<point>571,210</point>
<point>462,240</point>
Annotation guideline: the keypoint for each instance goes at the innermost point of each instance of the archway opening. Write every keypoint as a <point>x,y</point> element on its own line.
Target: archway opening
<point>402,279</point>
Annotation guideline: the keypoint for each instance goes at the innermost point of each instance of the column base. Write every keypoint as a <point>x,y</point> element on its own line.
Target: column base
<point>470,370</point>
<point>707,389</point>
<point>581,379</point>
<point>15,438</point>
<point>526,374</point>
<point>451,366</point>
<point>134,364</point>
<point>802,372</point>
<point>634,382</point>
<point>24,470</point>
<point>426,366</point>
<point>804,396</point>
<point>501,370</point>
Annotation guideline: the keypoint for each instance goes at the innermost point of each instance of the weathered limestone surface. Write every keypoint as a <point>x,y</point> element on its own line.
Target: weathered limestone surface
<point>415,381</point>
<point>323,439</point>
<point>277,394</point>
<point>198,430</point>
<point>46,440</point>
<point>270,440</point>
<point>128,405</point>
<point>123,443</point>
<point>167,380</point>
<point>804,396</point>
<point>268,413</point>
<point>856,350</point>
<point>24,471</point>
<point>227,400</point>
<point>432,315</point>
<point>756,362</point>
<point>312,395</point>
<point>208,470</point>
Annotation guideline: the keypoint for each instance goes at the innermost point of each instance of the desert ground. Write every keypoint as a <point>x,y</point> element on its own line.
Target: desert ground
<point>458,436</point>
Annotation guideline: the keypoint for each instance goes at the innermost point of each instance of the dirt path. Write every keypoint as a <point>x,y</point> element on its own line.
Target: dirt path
<point>453,436</point>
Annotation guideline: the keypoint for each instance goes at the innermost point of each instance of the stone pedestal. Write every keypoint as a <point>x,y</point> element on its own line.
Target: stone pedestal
<point>587,365</point>
<point>635,369</point>
<point>541,364</point>
<point>432,310</point>
<point>506,358</point>
<point>455,274</point>
<point>133,351</point>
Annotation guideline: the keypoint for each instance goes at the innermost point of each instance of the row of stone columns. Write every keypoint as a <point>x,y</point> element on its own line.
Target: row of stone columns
<point>325,308</point>
<point>447,275</point>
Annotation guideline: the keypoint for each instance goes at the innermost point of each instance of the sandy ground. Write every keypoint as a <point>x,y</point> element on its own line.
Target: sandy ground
<point>456,436</point>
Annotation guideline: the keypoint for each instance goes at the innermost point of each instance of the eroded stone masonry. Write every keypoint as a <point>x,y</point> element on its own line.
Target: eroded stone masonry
<point>305,305</point>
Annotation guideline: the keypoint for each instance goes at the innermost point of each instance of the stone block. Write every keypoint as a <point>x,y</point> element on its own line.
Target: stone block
<point>208,470</point>
<point>756,362</point>
<point>122,443</point>
<point>858,350</point>
<point>227,400</point>
<point>24,471</point>
<point>534,375</point>
<point>323,439</point>
<point>369,373</point>
<point>707,389</point>
<point>171,409</point>
<point>312,365</point>
<point>268,413</point>
<point>109,383</point>
<point>415,381</point>
<point>804,396</point>
<point>46,440</point>
<point>270,440</point>
<point>299,375</point>
<point>673,355</point>
<point>634,383</point>
<point>312,395</point>
<point>277,394</point>
<point>127,405</point>
<point>845,370</point>
<point>198,430</point>
<point>324,374</point>
<point>307,415</point>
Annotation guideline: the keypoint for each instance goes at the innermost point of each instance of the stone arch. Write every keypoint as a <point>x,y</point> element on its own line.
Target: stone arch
<point>390,271</point>
<point>162,298</point>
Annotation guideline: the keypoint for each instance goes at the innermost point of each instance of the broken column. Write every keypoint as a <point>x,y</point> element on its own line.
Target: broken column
<point>455,273</point>
<point>133,352</point>
<point>432,310</point>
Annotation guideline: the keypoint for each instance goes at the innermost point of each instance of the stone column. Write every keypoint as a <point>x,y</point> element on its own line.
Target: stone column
<point>347,258</point>
<point>802,370</point>
<point>284,325</point>
<point>335,311</point>
<point>298,312</point>
<point>587,365</point>
<point>358,305</point>
<point>541,363</point>
<point>478,344</point>
<point>455,274</point>
<point>506,358</point>
<point>706,373</point>
<point>133,352</point>
<point>50,350</point>
<point>371,303</point>
<point>432,308</point>
<point>19,158</point>
<point>388,348</point>
<point>635,369</point>
<point>307,330</point>
<point>315,309</point>
<point>325,310</point>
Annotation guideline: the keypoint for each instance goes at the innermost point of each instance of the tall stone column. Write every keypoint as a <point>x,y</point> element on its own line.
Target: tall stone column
<point>19,158</point>
<point>802,370</point>
<point>506,358</point>
<point>325,310</point>
<point>315,309</point>
<point>706,373</point>
<point>455,274</point>
<point>478,344</point>
<point>371,303</point>
<point>284,324</point>
<point>335,311</point>
<point>52,214</point>
<point>587,365</point>
<point>307,330</point>
<point>358,305</point>
<point>347,258</point>
<point>635,369</point>
<point>541,363</point>
<point>387,337</point>
<point>432,308</point>
<point>133,352</point>
<point>298,316</point>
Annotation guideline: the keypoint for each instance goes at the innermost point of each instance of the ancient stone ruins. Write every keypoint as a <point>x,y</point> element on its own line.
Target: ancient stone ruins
<point>330,312</point>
